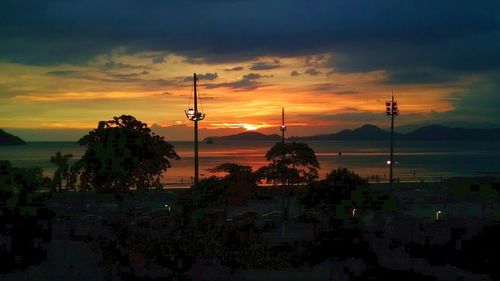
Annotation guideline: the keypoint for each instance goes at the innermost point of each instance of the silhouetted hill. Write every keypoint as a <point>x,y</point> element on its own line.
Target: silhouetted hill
<point>372,132</point>
<point>408,128</point>
<point>8,139</point>
<point>441,133</point>
<point>248,136</point>
<point>366,132</point>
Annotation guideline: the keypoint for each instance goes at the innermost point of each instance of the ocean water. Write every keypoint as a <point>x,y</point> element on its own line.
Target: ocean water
<point>415,160</point>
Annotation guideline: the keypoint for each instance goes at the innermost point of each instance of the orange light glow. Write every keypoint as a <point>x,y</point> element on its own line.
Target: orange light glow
<point>246,126</point>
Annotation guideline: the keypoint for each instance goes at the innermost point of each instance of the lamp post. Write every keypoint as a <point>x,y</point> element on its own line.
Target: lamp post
<point>283,127</point>
<point>437,215</point>
<point>194,115</point>
<point>391,109</point>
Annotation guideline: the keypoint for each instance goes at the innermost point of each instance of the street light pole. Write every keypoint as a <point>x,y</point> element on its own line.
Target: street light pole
<point>283,127</point>
<point>392,111</point>
<point>194,115</point>
<point>195,132</point>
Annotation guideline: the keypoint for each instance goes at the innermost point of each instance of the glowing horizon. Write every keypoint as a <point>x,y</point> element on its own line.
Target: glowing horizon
<point>328,70</point>
<point>78,97</point>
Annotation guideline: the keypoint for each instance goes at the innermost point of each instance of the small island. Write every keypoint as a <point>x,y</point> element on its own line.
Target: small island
<point>8,139</point>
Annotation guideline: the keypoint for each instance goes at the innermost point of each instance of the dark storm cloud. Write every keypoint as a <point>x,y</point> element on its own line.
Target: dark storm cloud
<point>113,65</point>
<point>324,87</point>
<point>128,75</point>
<point>265,65</point>
<point>236,68</point>
<point>312,72</point>
<point>207,76</point>
<point>241,85</point>
<point>452,37</point>
<point>248,82</point>
<point>294,73</point>
<point>255,76</point>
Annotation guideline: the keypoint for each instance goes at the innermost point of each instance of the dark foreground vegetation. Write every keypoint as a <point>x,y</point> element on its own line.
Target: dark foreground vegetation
<point>109,208</point>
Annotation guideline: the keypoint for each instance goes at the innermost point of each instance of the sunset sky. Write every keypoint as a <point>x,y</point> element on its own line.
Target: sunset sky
<point>66,64</point>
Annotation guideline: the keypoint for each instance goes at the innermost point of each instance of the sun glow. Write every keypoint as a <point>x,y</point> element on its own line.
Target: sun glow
<point>249,127</point>
<point>246,126</point>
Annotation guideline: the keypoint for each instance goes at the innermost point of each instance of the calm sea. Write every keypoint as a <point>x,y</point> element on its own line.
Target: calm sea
<point>415,160</point>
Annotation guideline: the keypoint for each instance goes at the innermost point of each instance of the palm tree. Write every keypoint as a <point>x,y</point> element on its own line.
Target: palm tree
<point>61,161</point>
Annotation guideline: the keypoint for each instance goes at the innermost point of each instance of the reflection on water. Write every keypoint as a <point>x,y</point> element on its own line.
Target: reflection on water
<point>415,160</point>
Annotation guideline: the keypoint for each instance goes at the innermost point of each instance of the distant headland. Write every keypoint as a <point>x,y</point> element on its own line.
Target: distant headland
<point>8,139</point>
<point>371,132</point>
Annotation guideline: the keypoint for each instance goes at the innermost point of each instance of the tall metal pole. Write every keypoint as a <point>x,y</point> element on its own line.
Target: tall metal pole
<point>391,164</point>
<point>283,128</point>
<point>195,132</point>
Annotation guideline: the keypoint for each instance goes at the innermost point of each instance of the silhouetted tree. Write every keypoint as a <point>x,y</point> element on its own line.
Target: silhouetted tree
<point>342,191</point>
<point>122,154</point>
<point>61,161</point>
<point>240,180</point>
<point>30,179</point>
<point>291,163</point>
<point>238,183</point>
<point>15,179</point>
<point>73,174</point>
<point>209,190</point>
<point>235,172</point>
<point>344,180</point>
<point>337,186</point>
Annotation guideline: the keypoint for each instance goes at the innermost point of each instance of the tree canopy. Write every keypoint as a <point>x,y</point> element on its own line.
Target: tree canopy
<point>237,184</point>
<point>14,179</point>
<point>291,163</point>
<point>344,190</point>
<point>123,154</point>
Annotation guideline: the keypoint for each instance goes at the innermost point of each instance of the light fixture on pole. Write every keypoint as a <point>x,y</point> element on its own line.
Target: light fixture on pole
<point>194,115</point>
<point>283,130</point>
<point>391,109</point>
<point>283,127</point>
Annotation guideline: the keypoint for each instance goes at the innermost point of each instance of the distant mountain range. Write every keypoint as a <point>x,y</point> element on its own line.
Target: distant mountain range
<point>442,133</point>
<point>8,139</point>
<point>371,132</point>
<point>366,132</point>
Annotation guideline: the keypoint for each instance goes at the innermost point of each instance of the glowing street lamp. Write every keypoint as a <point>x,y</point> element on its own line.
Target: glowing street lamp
<point>437,215</point>
<point>194,115</point>
<point>391,109</point>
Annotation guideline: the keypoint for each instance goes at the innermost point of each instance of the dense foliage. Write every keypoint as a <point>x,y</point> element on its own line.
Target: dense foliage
<point>237,183</point>
<point>343,191</point>
<point>291,164</point>
<point>62,171</point>
<point>17,178</point>
<point>123,154</point>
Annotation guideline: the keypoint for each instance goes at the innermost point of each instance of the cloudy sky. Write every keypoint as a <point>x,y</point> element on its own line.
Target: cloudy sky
<point>66,64</point>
